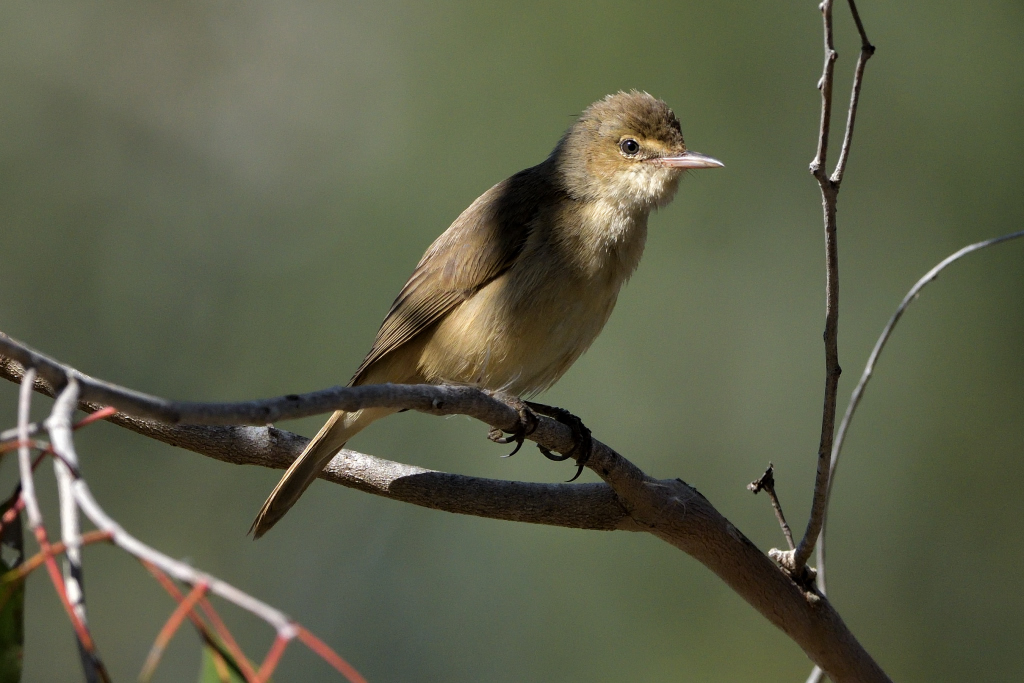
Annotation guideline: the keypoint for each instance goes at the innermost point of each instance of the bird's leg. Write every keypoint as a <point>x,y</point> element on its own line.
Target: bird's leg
<point>525,426</point>
<point>583,444</point>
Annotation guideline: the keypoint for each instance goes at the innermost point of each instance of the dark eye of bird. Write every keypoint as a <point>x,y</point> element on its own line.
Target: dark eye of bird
<point>629,147</point>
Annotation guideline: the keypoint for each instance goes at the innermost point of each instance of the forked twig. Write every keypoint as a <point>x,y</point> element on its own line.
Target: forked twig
<point>795,561</point>
<point>817,674</point>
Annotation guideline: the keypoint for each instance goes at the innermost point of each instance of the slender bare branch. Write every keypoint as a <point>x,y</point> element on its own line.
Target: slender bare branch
<point>829,186</point>
<point>28,487</point>
<point>60,429</point>
<point>866,50</point>
<point>864,42</point>
<point>869,369</point>
<point>825,86</point>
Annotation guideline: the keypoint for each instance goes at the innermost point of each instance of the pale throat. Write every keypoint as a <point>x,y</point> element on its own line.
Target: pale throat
<point>613,229</point>
<point>610,240</point>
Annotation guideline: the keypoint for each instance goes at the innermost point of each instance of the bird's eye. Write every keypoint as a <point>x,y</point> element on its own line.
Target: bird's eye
<point>629,147</point>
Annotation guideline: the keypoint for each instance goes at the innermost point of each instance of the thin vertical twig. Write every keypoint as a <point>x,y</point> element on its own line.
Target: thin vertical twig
<point>28,488</point>
<point>60,427</point>
<point>825,86</point>
<point>35,517</point>
<point>829,186</point>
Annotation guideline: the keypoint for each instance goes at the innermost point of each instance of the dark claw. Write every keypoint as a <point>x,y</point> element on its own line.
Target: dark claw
<point>498,436</point>
<point>526,425</point>
<point>583,443</point>
<point>551,456</point>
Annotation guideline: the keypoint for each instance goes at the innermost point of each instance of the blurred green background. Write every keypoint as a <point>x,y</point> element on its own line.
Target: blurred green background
<point>188,188</point>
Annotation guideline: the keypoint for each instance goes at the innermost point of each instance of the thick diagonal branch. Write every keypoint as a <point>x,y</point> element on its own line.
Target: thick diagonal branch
<point>629,499</point>
<point>582,506</point>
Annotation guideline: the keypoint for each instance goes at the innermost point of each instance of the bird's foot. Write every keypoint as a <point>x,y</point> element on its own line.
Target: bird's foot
<point>525,425</point>
<point>583,444</point>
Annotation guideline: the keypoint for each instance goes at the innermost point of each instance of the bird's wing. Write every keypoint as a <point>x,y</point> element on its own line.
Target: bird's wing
<point>479,246</point>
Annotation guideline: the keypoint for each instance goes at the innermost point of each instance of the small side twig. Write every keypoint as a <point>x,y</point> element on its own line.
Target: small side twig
<point>228,650</point>
<point>766,482</point>
<point>866,51</point>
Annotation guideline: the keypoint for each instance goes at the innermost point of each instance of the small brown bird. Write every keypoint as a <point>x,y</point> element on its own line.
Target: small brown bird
<point>523,281</point>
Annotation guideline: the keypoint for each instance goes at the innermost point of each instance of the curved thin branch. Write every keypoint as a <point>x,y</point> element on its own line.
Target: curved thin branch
<point>817,674</point>
<point>869,368</point>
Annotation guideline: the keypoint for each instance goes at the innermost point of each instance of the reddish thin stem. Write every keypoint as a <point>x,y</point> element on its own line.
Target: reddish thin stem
<point>270,662</point>
<point>229,640</point>
<point>169,629</point>
<point>236,652</point>
<point>58,583</point>
<point>12,512</point>
<point>31,443</point>
<point>34,562</point>
<point>101,414</point>
<point>197,621</point>
<point>328,655</point>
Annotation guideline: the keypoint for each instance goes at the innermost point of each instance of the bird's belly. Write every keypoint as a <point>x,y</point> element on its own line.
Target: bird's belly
<point>515,337</point>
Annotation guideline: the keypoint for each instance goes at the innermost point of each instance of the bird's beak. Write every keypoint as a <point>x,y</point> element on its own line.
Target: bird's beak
<point>687,160</point>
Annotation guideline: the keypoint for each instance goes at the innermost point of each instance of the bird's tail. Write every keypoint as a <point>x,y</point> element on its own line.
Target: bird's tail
<point>325,445</point>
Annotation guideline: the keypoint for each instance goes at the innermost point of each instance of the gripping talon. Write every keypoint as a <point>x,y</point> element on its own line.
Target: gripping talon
<point>583,443</point>
<point>551,456</point>
<point>519,439</point>
<point>497,436</point>
<point>525,426</point>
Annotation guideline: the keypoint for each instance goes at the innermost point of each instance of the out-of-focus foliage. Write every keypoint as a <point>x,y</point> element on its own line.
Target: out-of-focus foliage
<point>12,600</point>
<point>214,669</point>
<point>220,200</point>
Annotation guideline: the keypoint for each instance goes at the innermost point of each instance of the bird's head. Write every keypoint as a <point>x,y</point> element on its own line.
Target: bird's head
<point>626,148</point>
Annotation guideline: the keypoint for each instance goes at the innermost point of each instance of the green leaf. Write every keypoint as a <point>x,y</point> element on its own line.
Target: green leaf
<point>214,669</point>
<point>12,599</point>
